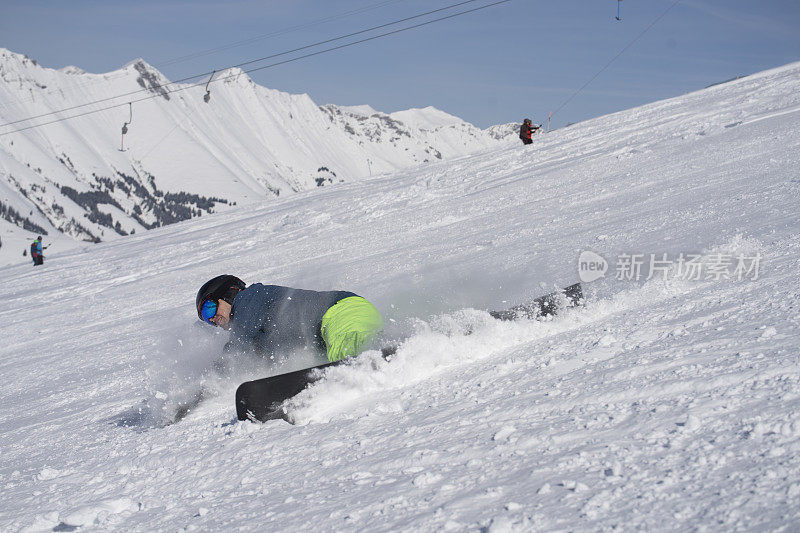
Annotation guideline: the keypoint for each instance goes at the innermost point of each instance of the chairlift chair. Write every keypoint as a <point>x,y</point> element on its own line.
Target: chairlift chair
<point>125,127</point>
<point>207,96</point>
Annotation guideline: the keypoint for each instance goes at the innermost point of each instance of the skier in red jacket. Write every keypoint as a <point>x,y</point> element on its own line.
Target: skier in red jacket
<point>526,130</point>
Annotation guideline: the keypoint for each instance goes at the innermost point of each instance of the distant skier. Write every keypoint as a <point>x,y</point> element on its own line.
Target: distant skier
<point>36,251</point>
<point>526,131</point>
<point>271,320</point>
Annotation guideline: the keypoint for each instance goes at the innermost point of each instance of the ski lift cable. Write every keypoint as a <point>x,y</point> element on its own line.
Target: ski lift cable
<point>661,16</point>
<point>157,86</point>
<point>314,54</point>
<point>399,21</point>
<point>319,43</point>
<point>224,47</point>
<point>191,86</point>
<point>276,33</point>
<point>179,89</point>
<point>393,32</point>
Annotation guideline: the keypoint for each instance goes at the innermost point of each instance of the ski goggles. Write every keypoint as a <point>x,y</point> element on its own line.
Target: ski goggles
<point>207,311</point>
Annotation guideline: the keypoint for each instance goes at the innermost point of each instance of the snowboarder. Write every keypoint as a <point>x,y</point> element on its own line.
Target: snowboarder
<point>526,130</point>
<point>271,320</point>
<point>262,399</point>
<point>36,251</point>
<point>266,319</point>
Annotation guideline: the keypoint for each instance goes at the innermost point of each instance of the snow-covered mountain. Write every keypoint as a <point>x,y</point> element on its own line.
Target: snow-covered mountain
<point>184,157</point>
<point>666,404</point>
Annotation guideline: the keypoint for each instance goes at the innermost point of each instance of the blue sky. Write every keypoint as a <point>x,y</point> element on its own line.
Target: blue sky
<point>519,59</point>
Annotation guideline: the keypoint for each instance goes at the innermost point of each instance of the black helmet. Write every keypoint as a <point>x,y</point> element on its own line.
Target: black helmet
<point>527,121</point>
<point>223,287</point>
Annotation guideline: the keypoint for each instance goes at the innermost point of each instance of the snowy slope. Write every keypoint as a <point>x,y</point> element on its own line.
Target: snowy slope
<point>246,144</point>
<point>667,404</point>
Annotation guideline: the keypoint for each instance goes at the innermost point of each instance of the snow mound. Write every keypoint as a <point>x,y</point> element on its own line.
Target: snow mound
<point>428,118</point>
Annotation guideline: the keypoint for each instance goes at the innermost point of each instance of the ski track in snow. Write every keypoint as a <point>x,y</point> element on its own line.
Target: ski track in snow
<point>661,405</point>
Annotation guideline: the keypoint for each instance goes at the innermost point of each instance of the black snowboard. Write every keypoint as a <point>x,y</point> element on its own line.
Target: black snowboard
<point>262,399</point>
<point>544,306</point>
